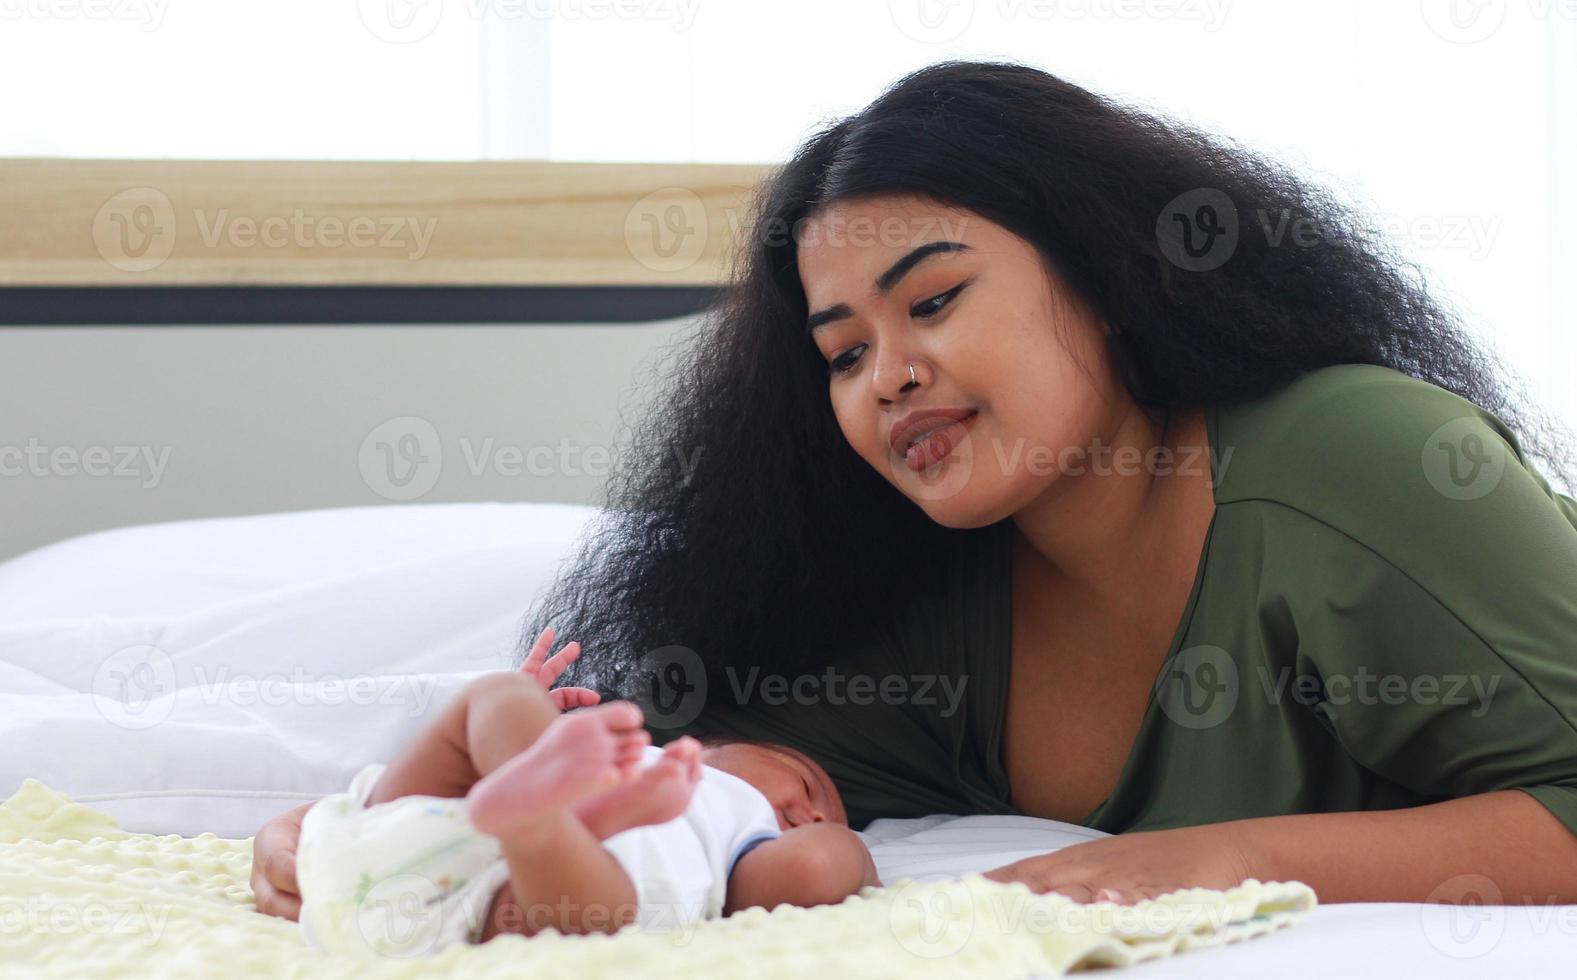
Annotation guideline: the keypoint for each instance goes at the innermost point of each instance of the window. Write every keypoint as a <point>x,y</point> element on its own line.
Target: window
<point>1455,122</point>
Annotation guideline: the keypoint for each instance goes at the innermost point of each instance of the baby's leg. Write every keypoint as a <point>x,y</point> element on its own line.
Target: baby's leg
<point>523,766</point>
<point>560,875</point>
<point>492,720</point>
<point>656,794</point>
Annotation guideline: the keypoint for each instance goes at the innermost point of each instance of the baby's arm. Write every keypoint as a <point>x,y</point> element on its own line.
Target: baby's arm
<point>813,864</point>
<point>492,719</point>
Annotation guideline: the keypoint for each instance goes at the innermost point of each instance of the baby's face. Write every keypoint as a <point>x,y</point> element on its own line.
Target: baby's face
<point>799,790</point>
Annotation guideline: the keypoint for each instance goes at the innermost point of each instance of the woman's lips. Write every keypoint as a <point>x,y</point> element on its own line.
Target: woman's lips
<point>937,444</point>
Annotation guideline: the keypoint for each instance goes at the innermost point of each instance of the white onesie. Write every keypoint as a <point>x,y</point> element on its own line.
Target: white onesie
<point>411,876</point>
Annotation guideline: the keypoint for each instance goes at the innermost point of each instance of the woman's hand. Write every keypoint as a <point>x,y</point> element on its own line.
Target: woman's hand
<point>274,864</point>
<point>547,670</point>
<point>1130,867</point>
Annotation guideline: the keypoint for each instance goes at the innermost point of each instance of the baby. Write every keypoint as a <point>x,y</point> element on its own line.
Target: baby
<point>505,815</point>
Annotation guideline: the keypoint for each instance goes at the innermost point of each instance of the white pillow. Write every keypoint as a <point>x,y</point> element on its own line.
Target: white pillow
<point>207,675</point>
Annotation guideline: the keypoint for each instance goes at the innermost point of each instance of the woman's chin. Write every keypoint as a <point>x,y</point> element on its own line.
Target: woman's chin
<point>961,511</point>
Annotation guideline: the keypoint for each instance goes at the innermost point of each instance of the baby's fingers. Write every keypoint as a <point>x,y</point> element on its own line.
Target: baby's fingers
<point>539,653</point>
<point>549,672</point>
<point>569,698</point>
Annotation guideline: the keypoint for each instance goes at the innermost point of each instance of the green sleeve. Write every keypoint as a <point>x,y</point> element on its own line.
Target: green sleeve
<point>1444,633</point>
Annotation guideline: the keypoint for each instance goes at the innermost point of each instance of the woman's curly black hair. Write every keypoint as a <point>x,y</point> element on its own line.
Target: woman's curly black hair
<point>785,548</point>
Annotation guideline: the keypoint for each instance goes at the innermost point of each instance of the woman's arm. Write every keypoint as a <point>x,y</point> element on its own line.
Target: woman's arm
<point>1500,848</point>
<point>1504,847</point>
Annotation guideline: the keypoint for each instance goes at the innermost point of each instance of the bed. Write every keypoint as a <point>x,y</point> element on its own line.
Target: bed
<point>198,677</point>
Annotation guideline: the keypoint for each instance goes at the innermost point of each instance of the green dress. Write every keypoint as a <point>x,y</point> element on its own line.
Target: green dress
<point>1384,615</point>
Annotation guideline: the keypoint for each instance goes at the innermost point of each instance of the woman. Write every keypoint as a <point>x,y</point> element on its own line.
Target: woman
<point>1224,538</point>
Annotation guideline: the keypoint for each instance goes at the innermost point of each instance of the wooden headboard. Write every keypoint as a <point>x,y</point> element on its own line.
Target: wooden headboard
<point>521,328</point>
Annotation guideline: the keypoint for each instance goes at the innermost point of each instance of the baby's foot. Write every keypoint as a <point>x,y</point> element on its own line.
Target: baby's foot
<point>578,754</point>
<point>656,794</point>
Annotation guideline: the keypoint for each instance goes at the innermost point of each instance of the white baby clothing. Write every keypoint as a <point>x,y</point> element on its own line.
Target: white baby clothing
<point>412,876</point>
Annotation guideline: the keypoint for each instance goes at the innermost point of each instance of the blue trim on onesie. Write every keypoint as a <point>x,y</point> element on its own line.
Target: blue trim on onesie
<point>746,848</point>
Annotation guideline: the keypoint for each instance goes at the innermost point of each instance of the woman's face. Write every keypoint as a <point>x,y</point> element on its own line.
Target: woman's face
<point>989,329</point>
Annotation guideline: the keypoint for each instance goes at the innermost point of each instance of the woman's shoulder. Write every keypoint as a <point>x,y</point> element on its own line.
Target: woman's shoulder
<point>1358,433</point>
<point>1415,474</point>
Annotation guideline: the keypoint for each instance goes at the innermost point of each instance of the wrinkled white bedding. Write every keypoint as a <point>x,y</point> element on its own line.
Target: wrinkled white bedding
<point>207,675</point>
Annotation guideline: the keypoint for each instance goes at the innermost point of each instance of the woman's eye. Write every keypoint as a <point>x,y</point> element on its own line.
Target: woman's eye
<point>925,309</point>
<point>843,362</point>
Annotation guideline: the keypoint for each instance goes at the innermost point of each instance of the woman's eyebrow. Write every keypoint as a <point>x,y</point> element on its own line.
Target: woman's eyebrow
<point>886,281</point>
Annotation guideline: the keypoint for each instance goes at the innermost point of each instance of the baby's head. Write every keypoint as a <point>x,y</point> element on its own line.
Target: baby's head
<point>799,790</point>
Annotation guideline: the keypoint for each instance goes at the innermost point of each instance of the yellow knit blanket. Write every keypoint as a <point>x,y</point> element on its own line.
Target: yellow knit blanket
<point>79,897</point>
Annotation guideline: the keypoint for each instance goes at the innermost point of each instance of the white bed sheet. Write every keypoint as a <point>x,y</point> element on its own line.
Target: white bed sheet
<point>421,598</point>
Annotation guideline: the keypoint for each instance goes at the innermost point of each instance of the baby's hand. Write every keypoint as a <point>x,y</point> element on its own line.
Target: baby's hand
<point>547,670</point>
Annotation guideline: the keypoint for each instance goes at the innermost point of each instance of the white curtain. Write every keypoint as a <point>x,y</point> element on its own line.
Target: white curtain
<point>1454,122</point>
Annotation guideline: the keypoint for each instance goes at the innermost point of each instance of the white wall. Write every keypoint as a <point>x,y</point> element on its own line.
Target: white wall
<point>260,419</point>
